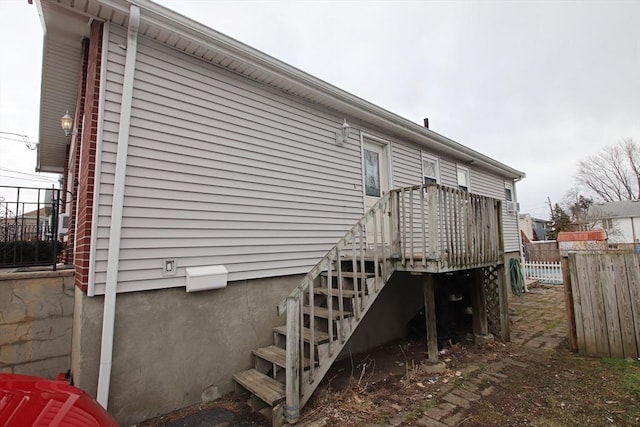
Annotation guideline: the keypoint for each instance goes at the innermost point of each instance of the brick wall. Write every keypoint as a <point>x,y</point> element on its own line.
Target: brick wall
<point>73,155</point>
<point>85,155</point>
<point>36,318</point>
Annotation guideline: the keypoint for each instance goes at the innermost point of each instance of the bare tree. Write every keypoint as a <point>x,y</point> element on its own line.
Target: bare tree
<point>614,173</point>
<point>576,205</point>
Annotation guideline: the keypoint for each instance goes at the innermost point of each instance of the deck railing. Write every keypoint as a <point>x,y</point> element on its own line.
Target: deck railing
<point>415,225</point>
<point>453,227</point>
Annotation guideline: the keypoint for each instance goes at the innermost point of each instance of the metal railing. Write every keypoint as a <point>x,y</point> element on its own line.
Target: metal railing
<point>29,226</point>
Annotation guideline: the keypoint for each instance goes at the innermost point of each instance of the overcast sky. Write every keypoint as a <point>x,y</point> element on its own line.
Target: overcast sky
<point>536,85</point>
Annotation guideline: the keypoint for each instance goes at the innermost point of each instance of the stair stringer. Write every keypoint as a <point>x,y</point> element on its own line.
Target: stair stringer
<point>325,359</point>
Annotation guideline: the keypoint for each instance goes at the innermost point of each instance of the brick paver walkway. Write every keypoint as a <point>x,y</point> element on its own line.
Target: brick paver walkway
<point>538,318</point>
<point>538,321</point>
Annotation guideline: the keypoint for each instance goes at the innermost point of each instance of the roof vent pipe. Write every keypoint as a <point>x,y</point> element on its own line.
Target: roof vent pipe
<point>426,122</point>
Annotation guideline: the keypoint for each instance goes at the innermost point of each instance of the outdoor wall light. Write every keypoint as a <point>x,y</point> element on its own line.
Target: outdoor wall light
<point>343,135</point>
<point>66,122</point>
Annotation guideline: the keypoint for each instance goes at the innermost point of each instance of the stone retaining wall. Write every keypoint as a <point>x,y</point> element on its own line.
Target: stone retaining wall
<point>36,317</point>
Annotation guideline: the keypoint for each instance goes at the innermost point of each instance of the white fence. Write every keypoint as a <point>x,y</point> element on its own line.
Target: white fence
<point>546,272</point>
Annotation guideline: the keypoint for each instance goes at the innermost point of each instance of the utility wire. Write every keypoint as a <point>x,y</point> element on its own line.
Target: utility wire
<point>25,139</point>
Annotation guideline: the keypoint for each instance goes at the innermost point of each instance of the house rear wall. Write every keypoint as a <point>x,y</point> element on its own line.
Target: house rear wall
<point>223,170</point>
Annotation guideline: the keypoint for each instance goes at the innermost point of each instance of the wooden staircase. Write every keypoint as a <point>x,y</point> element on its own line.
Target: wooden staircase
<point>427,228</point>
<point>329,319</point>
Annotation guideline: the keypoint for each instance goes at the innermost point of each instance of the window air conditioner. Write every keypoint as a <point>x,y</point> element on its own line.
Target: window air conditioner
<point>513,207</point>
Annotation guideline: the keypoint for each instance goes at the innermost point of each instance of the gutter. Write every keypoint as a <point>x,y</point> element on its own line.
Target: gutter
<point>113,257</point>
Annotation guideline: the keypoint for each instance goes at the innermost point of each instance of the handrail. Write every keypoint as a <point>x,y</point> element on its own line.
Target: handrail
<point>322,265</point>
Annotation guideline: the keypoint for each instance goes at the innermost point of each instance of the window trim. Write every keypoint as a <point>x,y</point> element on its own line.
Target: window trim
<point>510,189</point>
<point>424,156</point>
<point>468,174</point>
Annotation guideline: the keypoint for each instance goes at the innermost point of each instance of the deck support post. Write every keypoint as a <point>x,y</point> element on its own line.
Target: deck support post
<point>479,305</point>
<point>292,387</point>
<point>430,316</point>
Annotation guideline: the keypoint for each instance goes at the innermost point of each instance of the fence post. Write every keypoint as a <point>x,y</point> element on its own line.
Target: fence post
<point>568,301</point>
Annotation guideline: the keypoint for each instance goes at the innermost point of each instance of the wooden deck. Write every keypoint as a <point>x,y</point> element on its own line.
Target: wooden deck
<point>422,229</point>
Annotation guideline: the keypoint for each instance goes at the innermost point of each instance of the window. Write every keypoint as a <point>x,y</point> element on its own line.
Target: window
<point>371,173</point>
<point>508,194</point>
<point>607,224</point>
<point>430,170</point>
<point>463,178</point>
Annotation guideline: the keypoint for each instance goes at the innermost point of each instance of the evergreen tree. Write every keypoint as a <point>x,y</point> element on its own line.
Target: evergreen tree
<point>560,221</point>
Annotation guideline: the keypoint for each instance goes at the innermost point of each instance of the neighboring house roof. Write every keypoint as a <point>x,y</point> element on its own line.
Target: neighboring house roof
<point>621,209</point>
<point>582,236</point>
<point>542,221</point>
<point>61,62</point>
<point>42,212</point>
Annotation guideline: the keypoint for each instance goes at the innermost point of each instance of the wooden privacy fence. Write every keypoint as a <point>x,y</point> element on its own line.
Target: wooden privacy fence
<point>603,303</point>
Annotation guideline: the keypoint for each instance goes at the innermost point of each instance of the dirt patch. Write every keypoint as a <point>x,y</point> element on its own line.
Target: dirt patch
<point>228,411</point>
<point>536,388</point>
<point>561,389</point>
<point>389,386</point>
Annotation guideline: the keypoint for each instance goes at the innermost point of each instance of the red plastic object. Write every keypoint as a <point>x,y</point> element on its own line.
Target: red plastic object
<point>27,401</point>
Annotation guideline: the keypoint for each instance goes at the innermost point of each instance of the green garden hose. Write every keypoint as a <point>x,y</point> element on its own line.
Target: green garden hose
<point>516,275</point>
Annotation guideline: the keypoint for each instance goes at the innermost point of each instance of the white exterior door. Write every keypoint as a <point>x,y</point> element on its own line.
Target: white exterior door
<point>376,171</point>
<point>375,166</point>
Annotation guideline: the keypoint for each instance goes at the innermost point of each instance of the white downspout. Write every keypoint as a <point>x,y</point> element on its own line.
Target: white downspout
<point>109,314</point>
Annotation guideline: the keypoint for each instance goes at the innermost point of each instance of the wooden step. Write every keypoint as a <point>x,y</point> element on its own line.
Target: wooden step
<point>346,293</point>
<point>276,355</point>
<point>266,388</point>
<point>324,312</point>
<point>320,337</point>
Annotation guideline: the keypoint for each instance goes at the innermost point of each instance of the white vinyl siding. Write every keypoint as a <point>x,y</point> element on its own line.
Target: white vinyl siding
<point>448,174</point>
<point>221,171</point>
<point>406,165</point>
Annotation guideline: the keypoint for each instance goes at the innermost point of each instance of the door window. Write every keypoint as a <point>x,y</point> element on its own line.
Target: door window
<point>371,173</point>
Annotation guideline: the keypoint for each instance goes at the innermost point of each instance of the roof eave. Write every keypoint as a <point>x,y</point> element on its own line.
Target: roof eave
<point>318,90</point>
<point>61,61</point>
<point>188,27</point>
